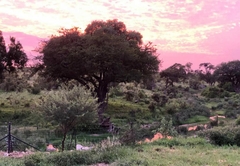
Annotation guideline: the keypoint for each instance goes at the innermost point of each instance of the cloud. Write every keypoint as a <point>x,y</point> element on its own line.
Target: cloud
<point>185,26</point>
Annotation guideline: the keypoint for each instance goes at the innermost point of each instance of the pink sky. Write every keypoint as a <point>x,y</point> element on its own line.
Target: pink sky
<point>183,30</point>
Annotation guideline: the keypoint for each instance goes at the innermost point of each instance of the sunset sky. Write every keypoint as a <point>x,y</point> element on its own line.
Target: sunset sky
<point>183,30</point>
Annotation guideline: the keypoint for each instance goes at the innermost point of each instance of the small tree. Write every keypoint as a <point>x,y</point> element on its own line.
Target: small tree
<point>69,106</point>
<point>166,128</point>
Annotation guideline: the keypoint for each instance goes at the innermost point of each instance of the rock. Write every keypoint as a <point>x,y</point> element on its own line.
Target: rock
<point>50,148</point>
<point>80,147</point>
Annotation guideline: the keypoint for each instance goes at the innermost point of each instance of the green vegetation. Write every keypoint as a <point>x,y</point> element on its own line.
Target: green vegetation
<point>179,151</point>
<point>45,105</point>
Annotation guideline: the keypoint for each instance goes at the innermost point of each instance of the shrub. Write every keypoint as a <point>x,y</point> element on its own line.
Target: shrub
<point>76,157</point>
<point>182,130</point>
<point>231,114</point>
<point>195,109</point>
<point>213,92</point>
<point>228,87</point>
<point>194,84</point>
<point>160,99</point>
<point>166,128</point>
<point>238,121</point>
<point>129,95</point>
<point>115,91</point>
<point>35,90</point>
<point>141,94</point>
<point>228,135</point>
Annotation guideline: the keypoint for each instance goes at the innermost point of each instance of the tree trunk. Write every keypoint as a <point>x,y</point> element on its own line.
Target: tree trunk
<point>101,94</point>
<point>63,140</point>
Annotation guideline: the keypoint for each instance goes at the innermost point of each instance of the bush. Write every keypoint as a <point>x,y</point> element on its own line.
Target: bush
<point>189,112</point>
<point>194,84</point>
<point>238,121</point>
<point>228,87</point>
<point>76,157</point>
<point>129,95</point>
<point>182,130</point>
<point>228,135</point>
<point>35,90</point>
<point>115,91</point>
<point>214,92</point>
<point>160,99</point>
<point>231,113</point>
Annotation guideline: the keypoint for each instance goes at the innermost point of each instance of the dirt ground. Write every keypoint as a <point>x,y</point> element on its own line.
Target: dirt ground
<point>14,154</point>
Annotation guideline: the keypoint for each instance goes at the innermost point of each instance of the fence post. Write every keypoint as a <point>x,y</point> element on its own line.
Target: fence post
<point>10,148</point>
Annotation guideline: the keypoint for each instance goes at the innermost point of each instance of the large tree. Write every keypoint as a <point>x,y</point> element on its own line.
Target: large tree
<point>105,52</point>
<point>228,73</point>
<point>13,57</point>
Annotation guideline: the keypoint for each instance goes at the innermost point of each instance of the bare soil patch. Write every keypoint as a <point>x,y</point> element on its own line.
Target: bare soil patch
<point>15,154</point>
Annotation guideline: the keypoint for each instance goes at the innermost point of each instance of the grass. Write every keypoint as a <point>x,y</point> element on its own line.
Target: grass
<point>176,152</point>
<point>197,119</point>
<point>118,108</point>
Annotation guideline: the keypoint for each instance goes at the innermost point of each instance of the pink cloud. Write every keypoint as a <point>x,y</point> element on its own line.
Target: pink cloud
<point>182,28</point>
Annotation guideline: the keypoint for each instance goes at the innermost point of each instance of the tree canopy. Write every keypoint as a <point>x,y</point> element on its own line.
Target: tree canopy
<point>68,106</point>
<point>174,73</point>
<point>228,72</point>
<point>206,74</point>
<point>13,57</point>
<point>105,52</point>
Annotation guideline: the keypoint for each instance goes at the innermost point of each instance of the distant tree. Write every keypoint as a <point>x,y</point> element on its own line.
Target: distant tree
<point>12,58</point>
<point>68,106</point>
<point>228,73</point>
<point>3,52</point>
<point>188,68</point>
<point>105,53</point>
<point>207,74</point>
<point>174,73</point>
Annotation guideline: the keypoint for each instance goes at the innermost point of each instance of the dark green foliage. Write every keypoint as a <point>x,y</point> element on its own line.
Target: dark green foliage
<point>166,128</point>
<point>16,116</point>
<point>232,113</point>
<point>35,90</point>
<point>238,121</point>
<point>228,135</point>
<point>214,92</point>
<point>105,53</point>
<point>12,58</point>
<point>183,114</point>
<point>182,130</point>
<point>129,95</point>
<point>161,100</point>
<point>76,157</point>
<point>13,82</point>
<point>228,72</point>
<point>206,74</point>
<point>227,86</point>
<point>174,73</point>
<point>194,84</point>
<point>68,107</point>
<point>115,91</point>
